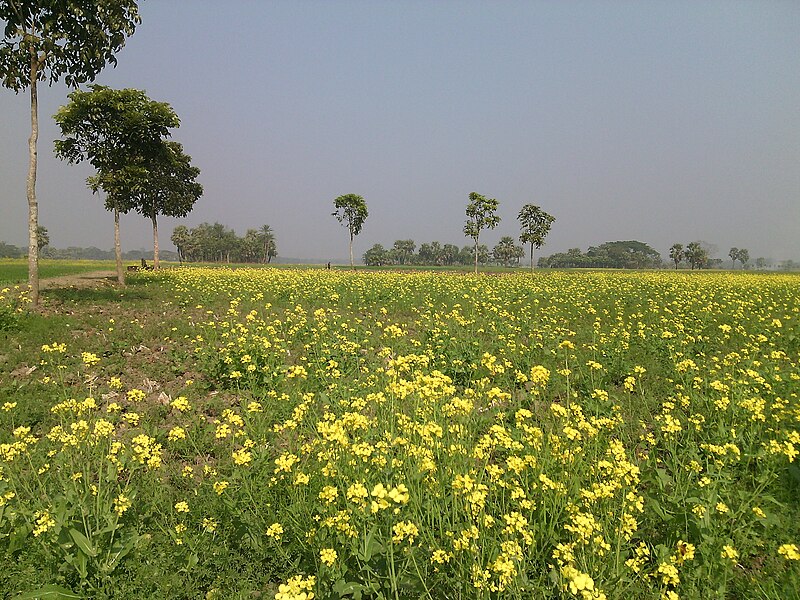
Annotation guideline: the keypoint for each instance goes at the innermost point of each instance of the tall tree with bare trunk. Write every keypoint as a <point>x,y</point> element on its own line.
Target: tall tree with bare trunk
<point>351,212</point>
<point>481,214</point>
<point>534,226</point>
<point>47,40</point>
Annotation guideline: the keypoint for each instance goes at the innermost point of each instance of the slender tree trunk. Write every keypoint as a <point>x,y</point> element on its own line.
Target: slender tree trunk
<point>531,256</point>
<point>352,266</point>
<point>476,256</point>
<point>118,248</point>
<point>155,241</point>
<point>33,207</point>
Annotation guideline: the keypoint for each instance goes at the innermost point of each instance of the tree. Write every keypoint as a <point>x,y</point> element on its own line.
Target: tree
<point>351,212</point>
<point>506,252</point>
<point>250,246</point>
<point>405,250</point>
<point>744,256</point>
<point>734,254</point>
<point>761,263</point>
<point>676,254</point>
<point>696,254</point>
<point>164,184</point>
<point>480,215</point>
<point>427,254</point>
<point>9,251</point>
<point>448,254</point>
<point>535,225</point>
<point>375,256</point>
<point>268,245</point>
<point>47,40</point>
<point>120,133</point>
<point>180,238</point>
<point>42,237</point>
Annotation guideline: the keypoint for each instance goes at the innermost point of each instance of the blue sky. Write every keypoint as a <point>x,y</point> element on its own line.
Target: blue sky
<point>658,121</point>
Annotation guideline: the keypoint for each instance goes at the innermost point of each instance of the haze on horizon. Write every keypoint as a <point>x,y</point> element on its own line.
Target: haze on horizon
<point>661,122</point>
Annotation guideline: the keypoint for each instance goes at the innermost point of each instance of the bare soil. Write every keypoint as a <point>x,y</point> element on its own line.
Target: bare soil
<point>80,280</point>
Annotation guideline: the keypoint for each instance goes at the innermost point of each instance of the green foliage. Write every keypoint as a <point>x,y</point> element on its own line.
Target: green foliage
<point>676,254</point>
<point>481,214</point>
<point>74,41</point>
<point>42,237</point>
<point>534,225</point>
<point>376,256</point>
<point>9,251</point>
<point>506,252</point>
<point>166,184</point>
<point>218,243</point>
<point>351,212</point>
<point>120,133</point>
<point>740,254</point>
<point>696,254</point>
<point>609,255</point>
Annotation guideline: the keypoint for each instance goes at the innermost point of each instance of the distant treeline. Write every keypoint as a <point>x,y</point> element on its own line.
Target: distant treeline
<point>218,243</point>
<point>610,255</point>
<point>630,254</point>
<point>76,253</point>
<point>403,252</point>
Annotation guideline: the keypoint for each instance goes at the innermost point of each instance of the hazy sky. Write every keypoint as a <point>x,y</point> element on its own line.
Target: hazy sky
<point>662,121</point>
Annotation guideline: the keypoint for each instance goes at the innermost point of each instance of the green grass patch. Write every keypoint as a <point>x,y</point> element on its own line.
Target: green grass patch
<point>15,270</point>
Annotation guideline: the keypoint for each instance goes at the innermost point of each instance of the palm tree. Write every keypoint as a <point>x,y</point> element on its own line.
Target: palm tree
<point>267,243</point>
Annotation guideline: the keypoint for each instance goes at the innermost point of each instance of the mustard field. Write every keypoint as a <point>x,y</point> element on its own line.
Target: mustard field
<point>298,434</point>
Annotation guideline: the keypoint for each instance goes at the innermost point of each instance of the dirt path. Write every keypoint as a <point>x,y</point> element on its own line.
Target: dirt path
<point>80,280</point>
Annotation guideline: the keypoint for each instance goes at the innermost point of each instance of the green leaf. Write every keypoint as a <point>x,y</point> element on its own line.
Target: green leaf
<point>351,588</point>
<point>82,542</point>
<point>122,548</point>
<point>49,592</point>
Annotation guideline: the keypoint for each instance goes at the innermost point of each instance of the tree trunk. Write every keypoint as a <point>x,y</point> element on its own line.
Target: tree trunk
<point>531,256</point>
<point>476,256</point>
<point>352,266</point>
<point>155,241</point>
<point>33,207</point>
<point>118,248</point>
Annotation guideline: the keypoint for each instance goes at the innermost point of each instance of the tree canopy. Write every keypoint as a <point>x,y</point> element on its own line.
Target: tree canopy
<point>351,212</point>
<point>218,243</point>
<point>629,254</point>
<point>481,214</point>
<point>534,226</point>
<point>121,134</point>
<point>506,252</point>
<point>164,183</point>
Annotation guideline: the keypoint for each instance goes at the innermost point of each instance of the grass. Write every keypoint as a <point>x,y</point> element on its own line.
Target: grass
<point>15,270</point>
<point>377,434</point>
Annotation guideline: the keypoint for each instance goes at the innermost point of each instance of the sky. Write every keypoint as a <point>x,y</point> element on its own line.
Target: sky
<point>660,121</point>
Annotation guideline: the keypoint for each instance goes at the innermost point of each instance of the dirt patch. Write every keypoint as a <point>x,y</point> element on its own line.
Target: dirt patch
<point>80,280</point>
